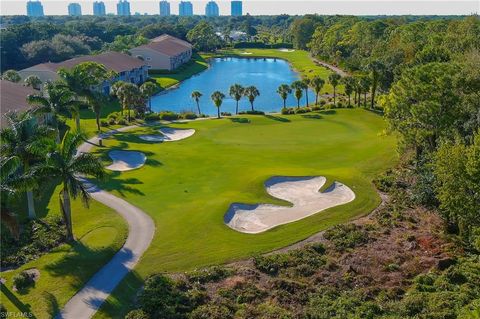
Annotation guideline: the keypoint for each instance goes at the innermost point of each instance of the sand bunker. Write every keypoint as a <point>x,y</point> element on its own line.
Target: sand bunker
<point>286,50</point>
<point>302,192</point>
<point>126,160</point>
<point>169,135</point>
<point>246,53</point>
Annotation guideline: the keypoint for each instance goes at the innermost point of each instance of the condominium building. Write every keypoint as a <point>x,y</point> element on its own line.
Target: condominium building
<point>211,9</point>
<point>236,8</point>
<point>34,9</point>
<point>123,8</point>
<point>185,8</point>
<point>164,8</point>
<point>74,9</point>
<point>99,8</point>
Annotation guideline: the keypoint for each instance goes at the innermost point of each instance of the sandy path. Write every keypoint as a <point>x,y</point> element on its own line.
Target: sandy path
<point>88,300</point>
<point>302,192</point>
<point>331,67</point>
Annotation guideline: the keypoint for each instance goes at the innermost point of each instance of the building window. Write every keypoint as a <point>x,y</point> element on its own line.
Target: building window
<point>149,58</point>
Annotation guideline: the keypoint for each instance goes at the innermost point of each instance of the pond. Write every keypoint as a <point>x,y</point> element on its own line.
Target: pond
<point>265,74</point>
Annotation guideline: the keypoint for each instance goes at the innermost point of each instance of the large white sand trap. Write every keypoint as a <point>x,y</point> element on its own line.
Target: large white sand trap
<point>286,50</point>
<point>126,160</point>
<point>169,135</point>
<point>302,192</point>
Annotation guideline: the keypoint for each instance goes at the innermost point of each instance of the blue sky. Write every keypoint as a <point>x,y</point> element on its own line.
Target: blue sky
<point>258,7</point>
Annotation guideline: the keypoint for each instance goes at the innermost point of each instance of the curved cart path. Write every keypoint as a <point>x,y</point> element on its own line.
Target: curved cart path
<point>88,300</point>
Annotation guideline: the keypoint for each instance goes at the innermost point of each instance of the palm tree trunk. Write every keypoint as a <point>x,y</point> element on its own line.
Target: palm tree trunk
<point>316,98</point>
<point>284,103</point>
<point>298,103</point>
<point>365,99</point>
<point>334,96</point>
<point>67,214</point>
<point>374,88</point>
<point>77,122</point>
<point>306,96</point>
<point>349,100</point>
<point>218,112</point>
<point>150,104</point>
<point>198,107</point>
<point>97,118</point>
<point>236,109</point>
<point>31,205</point>
<point>251,102</point>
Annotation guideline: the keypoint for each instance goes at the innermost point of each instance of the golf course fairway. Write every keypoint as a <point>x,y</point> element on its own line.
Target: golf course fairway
<point>187,186</point>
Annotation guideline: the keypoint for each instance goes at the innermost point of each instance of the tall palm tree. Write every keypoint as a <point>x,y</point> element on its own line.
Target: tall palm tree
<point>129,95</point>
<point>13,182</point>
<point>27,141</point>
<point>196,95</point>
<point>148,89</point>
<point>65,164</point>
<point>298,86</point>
<point>82,80</point>
<point>334,79</point>
<point>317,85</point>
<point>96,101</point>
<point>58,101</point>
<point>236,92</point>
<point>251,92</point>
<point>306,83</point>
<point>349,84</point>
<point>217,98</point>
<point>284,90</point>
<point>376,69</point>
<point>33,81</point>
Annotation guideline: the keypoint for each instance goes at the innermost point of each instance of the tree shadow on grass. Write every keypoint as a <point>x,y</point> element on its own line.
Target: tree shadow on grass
<point>242,120</point>
<point>114,182</point>
<point>52,303</point>
<point>25,308</point>
<point>312,116</point>
<point>327,112</point>
<point>277,118</point>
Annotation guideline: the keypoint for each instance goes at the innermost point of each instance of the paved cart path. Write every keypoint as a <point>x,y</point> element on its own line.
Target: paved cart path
<point>141,227</point>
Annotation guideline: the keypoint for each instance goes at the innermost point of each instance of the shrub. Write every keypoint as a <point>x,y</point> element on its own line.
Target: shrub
<point>339,104</point>
<point>152,117</point>
<point>168,116</point>
<point>211,311</point>
<point>347,236</point>
<point>162,299</point>
<point>189,116</point>
<point>302,110</point>
<point>137,314</point>
<point>252,112</point>
<point>212,274</point>
<point>122,121</point>
<point>226,114</point>
<point>288,110</point>
<point>104,123</point>
<point>23,280</point>
<point>323,102</point>
<point>316,108</point>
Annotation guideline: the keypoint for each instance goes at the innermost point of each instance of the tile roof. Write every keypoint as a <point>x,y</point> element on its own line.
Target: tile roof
<point>13,97</point>
<point>115,61</point>
<point>168,45</point>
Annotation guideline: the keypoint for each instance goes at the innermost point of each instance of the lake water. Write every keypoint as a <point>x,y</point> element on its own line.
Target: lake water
<point>265,74</point>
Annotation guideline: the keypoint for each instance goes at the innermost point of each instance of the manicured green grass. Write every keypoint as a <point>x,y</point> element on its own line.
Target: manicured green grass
<point>100,232</point>
<point>299,59</point>
<point>197,64</point>
<point>187,186</point>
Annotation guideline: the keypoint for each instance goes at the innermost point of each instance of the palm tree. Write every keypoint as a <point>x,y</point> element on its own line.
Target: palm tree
<point>364,87</point>
<point>13,182</point>
<point>298,86</point>
<point>129,95</point>
<point>196,95</point>
<point>148,89</point>
<point>217,98</point>
<point>33,81</point>
<point>96,102</point>
<point>251,92</point>
<point>306,83</point>
<point>317,84</point>
<point>376,69</point>
<point>28,142</point>
<point>58,101</point>
<point>284,90</point>
<point>349,83</point>
<point>65,164</point>
<point>334,79</point>
<point>236,92</point>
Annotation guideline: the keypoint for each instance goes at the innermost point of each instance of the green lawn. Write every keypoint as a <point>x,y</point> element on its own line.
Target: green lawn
<point>300,60</point>
<point>187,186</point>
<point>197,64</point>
<point>100,232</point>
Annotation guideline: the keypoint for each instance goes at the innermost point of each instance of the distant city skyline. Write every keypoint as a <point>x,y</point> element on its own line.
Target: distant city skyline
<point>74,9</point>
<point>270,7</point>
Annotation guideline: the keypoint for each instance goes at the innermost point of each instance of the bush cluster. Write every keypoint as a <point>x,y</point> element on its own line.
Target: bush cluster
<point>250,112</point>
<point>347,236</point>
<point>171,116</point>
<point>211,274</point>
<point>23,280</point>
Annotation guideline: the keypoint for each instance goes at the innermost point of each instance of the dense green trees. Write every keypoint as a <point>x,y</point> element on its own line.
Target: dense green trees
<point>203,37</point>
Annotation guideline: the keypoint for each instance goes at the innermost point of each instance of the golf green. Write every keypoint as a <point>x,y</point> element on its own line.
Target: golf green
<point>188,185</point>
